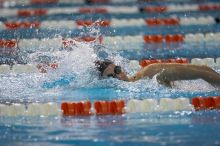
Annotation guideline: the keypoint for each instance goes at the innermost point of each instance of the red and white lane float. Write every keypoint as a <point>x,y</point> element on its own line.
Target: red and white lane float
<point>149,9</point>
<point>70,24</point>
<point>146,62</point>
<point>157,39</point>
<point>107,9</point>
<point>112,107</point>
<point>133,64</point>
<point>27,68</point>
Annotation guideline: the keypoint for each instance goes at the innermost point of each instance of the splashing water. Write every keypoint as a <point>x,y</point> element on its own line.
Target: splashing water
<point>76,69</point>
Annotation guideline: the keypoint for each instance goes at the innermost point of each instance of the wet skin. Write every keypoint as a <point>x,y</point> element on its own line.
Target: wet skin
<point>168,72</point>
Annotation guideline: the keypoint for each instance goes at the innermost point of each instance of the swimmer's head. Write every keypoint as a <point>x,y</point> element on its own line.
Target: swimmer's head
<point>107,68</point>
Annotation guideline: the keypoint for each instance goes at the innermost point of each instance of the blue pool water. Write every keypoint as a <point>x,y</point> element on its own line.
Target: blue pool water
<point>77,80</point>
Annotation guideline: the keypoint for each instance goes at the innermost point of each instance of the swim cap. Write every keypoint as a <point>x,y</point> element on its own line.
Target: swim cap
<point>102,65</point>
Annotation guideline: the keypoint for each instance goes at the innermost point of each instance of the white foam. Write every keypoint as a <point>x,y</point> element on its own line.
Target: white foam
<point>50,44</point>
<point>134,65</point>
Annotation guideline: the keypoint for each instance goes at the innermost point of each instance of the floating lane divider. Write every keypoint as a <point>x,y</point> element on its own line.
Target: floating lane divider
<point>69,24</point>
<point>112,107</point>
<point>146,62</point>
<point>109,9</point>
<point>57,43</point>
<point>133,64</point>
<point>33,109</point>
<point>27,68</point>
<point>156,39</point>
<point>197,61</point>
<point>176,7</point>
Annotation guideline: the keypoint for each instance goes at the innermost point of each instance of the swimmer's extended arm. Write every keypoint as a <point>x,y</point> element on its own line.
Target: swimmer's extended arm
<point>173,72</point>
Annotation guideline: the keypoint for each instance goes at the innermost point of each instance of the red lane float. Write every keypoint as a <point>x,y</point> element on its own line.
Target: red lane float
<point>174,38</point>
<point>153,21</point>
<point>171,21</point>
<point>102,23</point>
<point>34,12</point>
<point>8,43</point>
<point>115,107</point>
<point>158,21</point>
<point>216,102</point>
<point>146,62</point>
<point>16,25</point>
<point>209,7</point>
<point>208,103</point>
<point>155,9</point>
<point>178,60</point>
<point>76,108</point>
<point>93,10</point>
<point>153,38</point>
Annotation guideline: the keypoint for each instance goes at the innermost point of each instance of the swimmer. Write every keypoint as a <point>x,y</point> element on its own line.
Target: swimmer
<point>165,72</point>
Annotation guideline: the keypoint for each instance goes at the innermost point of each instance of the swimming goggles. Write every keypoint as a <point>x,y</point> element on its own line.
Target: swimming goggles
<point>117,70</point>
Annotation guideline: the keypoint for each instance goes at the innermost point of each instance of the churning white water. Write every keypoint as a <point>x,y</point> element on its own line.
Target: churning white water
<point>78,67</point>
